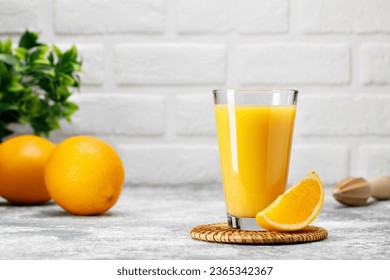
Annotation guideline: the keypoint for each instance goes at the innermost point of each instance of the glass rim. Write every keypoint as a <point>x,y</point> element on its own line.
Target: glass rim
<point>257,90</point>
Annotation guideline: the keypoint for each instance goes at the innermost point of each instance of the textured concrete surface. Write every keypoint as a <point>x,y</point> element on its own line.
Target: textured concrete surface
<point>153,223</point>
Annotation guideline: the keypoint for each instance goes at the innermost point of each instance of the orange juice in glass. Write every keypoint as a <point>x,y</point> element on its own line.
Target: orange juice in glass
<point>255,129</point>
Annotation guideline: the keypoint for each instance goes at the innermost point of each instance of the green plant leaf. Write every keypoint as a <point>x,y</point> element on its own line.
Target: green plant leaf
<point>6,46</point>
<point>71,54</point>
<point>69,108</point>
<point>15,86</point>
<point>21,53</point>
<point>8,59</point>
<point>42,60</point>
<point>57,51</point>
<point>66,80</point>
<point>29,40</point>
<point>39,53</point>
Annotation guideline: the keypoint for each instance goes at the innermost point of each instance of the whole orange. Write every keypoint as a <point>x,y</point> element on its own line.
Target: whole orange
<point>84,175</point>
<point>22,162</point>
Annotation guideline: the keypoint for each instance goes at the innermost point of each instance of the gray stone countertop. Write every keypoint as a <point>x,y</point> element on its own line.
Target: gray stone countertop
<point>153,223</point>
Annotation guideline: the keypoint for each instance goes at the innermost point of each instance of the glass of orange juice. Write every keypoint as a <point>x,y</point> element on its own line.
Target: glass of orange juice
<point>255,130</point>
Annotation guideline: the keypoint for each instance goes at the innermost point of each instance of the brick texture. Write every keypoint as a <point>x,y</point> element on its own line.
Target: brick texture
<point>374,160</point>
<point>171,164</point>
<point>195,115</point>
<point>170,64</point>
<point>105,16</point>
<point>344,115</point>
<point>16,16</point>
<point>375,64</point>
<point>222,16</point>
<point>294,64</point>
<point>344,16</point>
<point>321,159</point>
<point>93,63</point>
<point>103,114</point>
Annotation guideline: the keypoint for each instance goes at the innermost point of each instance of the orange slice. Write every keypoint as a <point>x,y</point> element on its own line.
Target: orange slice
<point>296,208</point>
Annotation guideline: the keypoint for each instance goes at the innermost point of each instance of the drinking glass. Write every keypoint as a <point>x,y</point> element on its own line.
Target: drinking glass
<point>255,131</point>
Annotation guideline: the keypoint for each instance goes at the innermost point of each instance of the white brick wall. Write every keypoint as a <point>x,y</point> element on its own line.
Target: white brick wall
<point>155,64</point>
<point>150,66</point>
<point>345,115</point>
<point>375,61</point>
<point>93,63</point>
<point>195,115</point>
<point>173,164</point>
<point>221,16</point>
<point>15,16</point>
<point>331,162</point>
<point>105,16</point>
<point>294,64</point>
<point>110,114</point>
<point>374,160</point>
<point>344,16</point>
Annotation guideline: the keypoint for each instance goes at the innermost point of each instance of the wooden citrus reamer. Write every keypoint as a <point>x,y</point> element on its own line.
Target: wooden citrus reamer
<point>355,191</point>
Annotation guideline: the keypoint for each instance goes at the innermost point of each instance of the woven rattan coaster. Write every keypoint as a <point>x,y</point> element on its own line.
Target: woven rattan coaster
<point>222,233</point>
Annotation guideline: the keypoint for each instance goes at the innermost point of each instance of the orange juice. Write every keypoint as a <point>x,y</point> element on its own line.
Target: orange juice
<point>254,143</point>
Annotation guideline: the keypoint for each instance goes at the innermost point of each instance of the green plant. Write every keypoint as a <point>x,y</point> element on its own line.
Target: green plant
<point>35,83</point>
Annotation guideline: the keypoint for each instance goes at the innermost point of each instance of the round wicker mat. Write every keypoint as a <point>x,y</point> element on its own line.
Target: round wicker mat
<point>222,233</point>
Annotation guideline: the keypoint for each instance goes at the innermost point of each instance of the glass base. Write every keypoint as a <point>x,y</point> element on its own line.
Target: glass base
<point>243,223</point>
